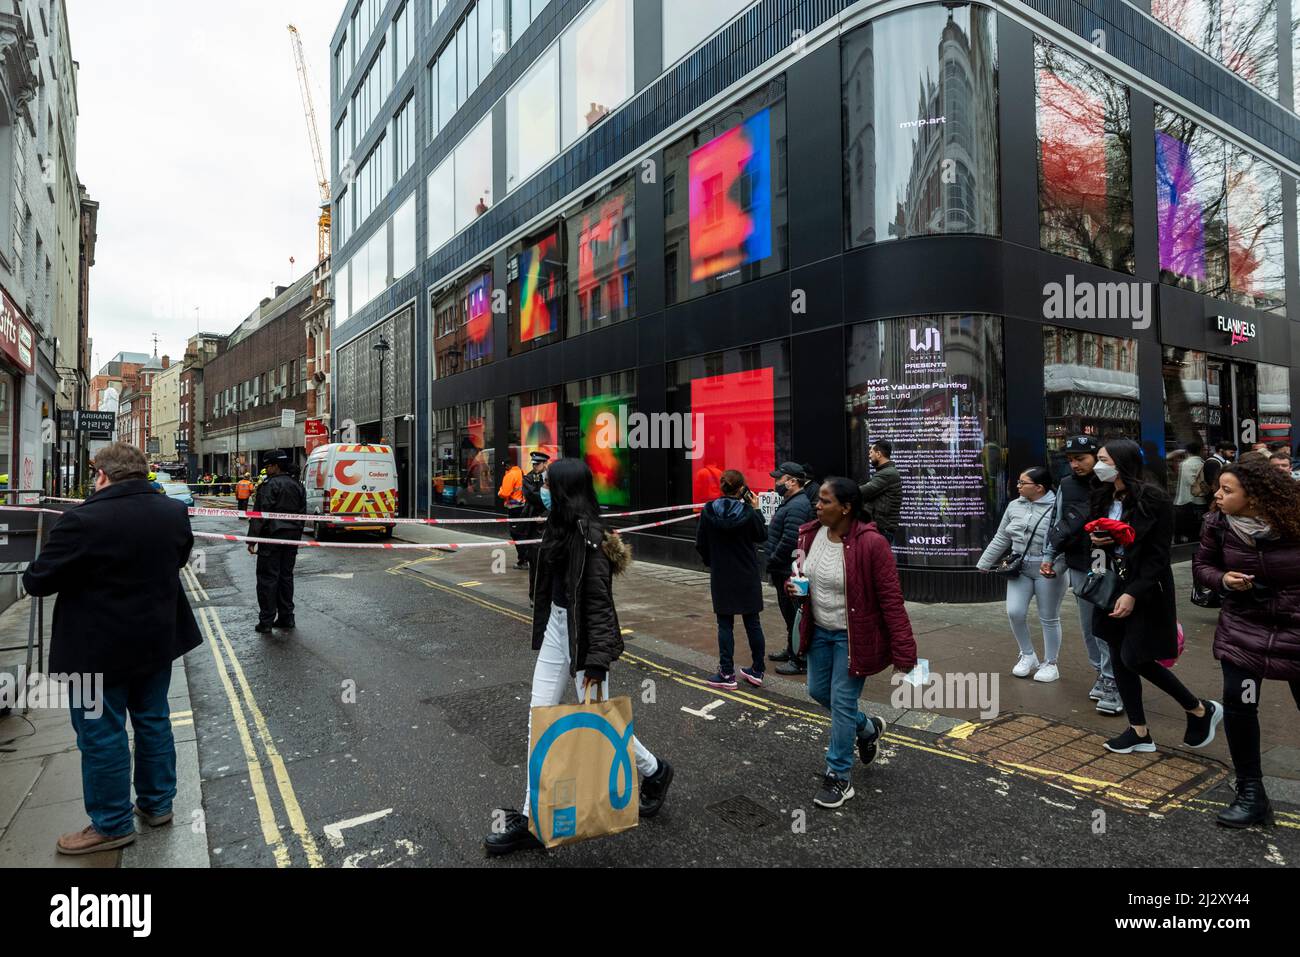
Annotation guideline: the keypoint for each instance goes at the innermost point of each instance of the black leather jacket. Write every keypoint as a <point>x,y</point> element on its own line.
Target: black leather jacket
<point>594,556</point>
<point>279,493</point>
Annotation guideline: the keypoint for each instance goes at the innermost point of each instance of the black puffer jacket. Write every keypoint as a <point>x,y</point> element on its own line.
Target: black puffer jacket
<point>1259,632</point>
<point>279,493</point>
<point>594,556</point>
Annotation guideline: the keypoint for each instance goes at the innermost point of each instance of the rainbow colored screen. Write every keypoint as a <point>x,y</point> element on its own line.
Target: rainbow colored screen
<point>1182,233</point>
<point>478,325</point>
<point>739,425</point>
<point>539,429</point>
<point>608,460</point>
<point>541,276</point>
<point>731,199</point>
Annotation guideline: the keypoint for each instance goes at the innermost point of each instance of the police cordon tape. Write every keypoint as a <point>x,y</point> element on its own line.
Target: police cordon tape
<point>408,546</point>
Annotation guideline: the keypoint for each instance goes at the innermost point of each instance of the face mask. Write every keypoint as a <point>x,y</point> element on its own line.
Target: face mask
<point>1107,473</point>
<point>546,497</point>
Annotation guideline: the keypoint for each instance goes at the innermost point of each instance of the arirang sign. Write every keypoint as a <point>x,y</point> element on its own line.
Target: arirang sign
<point>1238,329</point>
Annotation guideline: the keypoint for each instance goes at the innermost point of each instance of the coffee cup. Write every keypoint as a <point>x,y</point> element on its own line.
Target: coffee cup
<point>800,584</point>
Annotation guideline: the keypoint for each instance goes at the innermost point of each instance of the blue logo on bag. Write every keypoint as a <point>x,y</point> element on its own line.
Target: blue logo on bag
<point>621,764</point>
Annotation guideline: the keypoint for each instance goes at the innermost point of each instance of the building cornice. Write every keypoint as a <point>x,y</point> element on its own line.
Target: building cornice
<point>16,55</point>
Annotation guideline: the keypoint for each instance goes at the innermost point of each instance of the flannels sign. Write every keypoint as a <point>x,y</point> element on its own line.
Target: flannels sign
<point>1238,329</point>
<point>16,338</point>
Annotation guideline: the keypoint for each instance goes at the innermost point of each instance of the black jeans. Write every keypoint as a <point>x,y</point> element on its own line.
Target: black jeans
<point>1241,717</point>
<point>1129,675</point>
<point>727,641</point>
<point>275,565</point>
<point>518,531</point>
<point>788,608</point>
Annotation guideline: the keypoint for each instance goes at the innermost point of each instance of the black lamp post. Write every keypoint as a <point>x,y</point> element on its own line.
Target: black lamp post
<point>382,348</point>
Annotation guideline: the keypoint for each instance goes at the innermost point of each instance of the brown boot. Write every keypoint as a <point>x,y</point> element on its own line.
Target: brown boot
<point>90,841</point>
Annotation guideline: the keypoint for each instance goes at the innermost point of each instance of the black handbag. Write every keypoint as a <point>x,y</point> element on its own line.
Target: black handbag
<point>1104,588</point>
<point>1011,563</point>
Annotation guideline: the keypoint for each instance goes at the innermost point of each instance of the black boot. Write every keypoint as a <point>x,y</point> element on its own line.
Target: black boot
<point>655,788</point>
<point>1250,807</point>
<point>515,837</point>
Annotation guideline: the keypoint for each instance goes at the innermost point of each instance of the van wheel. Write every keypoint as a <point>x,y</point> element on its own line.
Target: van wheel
<point>322,531</point>
<point>388,530</point>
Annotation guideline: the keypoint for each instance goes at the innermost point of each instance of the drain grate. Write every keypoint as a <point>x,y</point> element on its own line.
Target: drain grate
<point>496,716</point>
<point>743,814</point>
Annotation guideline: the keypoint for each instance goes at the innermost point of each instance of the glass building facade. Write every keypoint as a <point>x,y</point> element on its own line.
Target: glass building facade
<point>967,229</point>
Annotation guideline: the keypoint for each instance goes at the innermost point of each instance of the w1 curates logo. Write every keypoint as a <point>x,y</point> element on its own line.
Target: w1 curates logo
<point>931,343</point>
<point>75,910</point>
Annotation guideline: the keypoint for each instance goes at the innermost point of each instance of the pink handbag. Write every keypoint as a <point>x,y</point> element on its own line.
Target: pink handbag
<point>1170,662</point>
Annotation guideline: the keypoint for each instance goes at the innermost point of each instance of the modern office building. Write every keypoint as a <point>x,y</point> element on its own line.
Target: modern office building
<point>680,236</point>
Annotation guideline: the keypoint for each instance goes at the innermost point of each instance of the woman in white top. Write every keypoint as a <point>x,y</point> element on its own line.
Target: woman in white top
<point>1025,526</point>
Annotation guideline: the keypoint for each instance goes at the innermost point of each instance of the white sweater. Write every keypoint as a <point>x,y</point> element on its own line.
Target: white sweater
<point>824,569</point>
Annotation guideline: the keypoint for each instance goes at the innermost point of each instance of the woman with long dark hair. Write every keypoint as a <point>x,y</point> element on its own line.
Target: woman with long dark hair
<point>575,626</point>
<point>1250,554</point>
<point>1143,626</point>
<point>854,625</point>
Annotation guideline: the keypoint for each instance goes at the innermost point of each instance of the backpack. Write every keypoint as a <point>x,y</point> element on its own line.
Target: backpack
<point>1200,488</point>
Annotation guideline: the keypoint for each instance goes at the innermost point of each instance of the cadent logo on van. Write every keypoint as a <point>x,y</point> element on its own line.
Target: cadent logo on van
<point>377,474</point>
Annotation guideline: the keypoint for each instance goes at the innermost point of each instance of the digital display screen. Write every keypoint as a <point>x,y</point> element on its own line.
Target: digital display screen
<point>539,429</point>
<point>731,199</point>
<point>608,461</point>
<point>736,413</point>
<point>541,275</point>
<point>604,257</point>
<point>1182,235</point>
<point>478,326</point>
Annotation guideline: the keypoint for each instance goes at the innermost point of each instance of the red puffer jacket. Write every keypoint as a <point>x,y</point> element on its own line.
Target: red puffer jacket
<point>1257,632</point>
<point>880,633</point>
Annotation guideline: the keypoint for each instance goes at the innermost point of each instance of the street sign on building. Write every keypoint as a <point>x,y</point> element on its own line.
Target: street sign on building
<point>97,425</point>
<point>287,418</point>
<point>315,434</point>
<point>182,446</point>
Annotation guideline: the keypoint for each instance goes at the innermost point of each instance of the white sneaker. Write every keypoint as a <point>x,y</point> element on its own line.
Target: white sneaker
<point>1025,666</point>
<point>1047,672</point>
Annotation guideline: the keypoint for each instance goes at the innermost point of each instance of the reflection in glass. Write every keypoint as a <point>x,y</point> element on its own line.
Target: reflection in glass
<point>934,387</point>
<point>462,324</point>
<point>1240,34</point>
<point>474,174</point>
<point>1256,264</point>
<point>596,64</point>
<point>442,204</point>
<point>1085,186</point>
<point>1088,390</point>
<point>532,122</point>
<point>404,238</point>
<point>535,290</point>
<point>688,22</point>
<point>1191,188</point>
<point>920,124</point>
<point>464,456</point>
<point>602,258</point>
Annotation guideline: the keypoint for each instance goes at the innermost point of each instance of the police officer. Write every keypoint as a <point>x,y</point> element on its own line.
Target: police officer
<point>281,492</point>
<point>535,506</point>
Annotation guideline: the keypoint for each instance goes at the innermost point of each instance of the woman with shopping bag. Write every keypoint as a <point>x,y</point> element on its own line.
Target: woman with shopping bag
<point>575,629</point>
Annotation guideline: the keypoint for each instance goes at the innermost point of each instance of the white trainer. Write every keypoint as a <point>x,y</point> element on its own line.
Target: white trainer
<point>1025,666</point>
<point>1047,672</point>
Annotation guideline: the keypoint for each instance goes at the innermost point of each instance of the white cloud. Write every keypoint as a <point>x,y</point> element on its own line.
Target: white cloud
<point>192,137</point>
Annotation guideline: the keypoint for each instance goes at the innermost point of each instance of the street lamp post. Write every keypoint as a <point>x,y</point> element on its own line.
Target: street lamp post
<point>382,348</point>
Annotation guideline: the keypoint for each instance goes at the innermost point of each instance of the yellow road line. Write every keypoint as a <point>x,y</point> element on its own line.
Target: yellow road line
<point>294,812</point>
<point>182,722</point>
<point>266,814</point>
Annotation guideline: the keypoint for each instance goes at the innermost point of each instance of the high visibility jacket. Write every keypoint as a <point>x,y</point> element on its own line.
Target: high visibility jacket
<point>244,489</point>
<point>512,487</point>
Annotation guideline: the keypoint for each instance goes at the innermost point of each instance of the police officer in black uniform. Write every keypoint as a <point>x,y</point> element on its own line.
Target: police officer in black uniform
<point>281,492</point>
<point>534,507</point>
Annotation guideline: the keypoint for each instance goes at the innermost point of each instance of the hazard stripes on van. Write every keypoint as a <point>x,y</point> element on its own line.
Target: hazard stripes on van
<point>363,503</point>
<point>375,449</point>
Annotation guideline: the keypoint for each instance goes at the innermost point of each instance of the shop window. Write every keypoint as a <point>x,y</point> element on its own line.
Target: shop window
<point>1240,34</point>
<point>532,119</point>
<point>474,174</point>
<point>727,410</point>
<point>404,238</point>
<point>464,471</point>
<point>535,277</point>
<point>1085,186</point>
<point>596,66</point>
<point>599,414</point>
<point>1084,396</point>
<point>933,387</point>
<point>462,324</point>
<point>1256,262</point>
<point>919,107</point>
<point>602,260</point>
<point>534,426</point>
<point>731,228</point>
<point>442,204</point>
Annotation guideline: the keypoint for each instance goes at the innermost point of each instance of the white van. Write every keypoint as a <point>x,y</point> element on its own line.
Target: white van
<point>351,480</point>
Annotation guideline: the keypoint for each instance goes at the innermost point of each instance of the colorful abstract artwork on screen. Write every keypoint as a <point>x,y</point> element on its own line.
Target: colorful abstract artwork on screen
<point>540,283</point>
<point>1072,140</point>
<point>603,258</point>
<point>1182,234</point>
<point>739,424</point>
<point>609,465</point>
<point>478,325</point>
<point>731,199</point>
<point>539,430</point>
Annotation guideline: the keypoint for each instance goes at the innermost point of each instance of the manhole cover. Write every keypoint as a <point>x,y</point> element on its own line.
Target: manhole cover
<point>1075,758</point>
<point>743,814</point>
<point>496,716</point>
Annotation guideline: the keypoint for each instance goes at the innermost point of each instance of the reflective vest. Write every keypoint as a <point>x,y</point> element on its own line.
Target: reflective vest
<point>244,489</point>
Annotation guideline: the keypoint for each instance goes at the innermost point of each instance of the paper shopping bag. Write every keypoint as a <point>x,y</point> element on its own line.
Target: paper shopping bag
<point>582,775</point>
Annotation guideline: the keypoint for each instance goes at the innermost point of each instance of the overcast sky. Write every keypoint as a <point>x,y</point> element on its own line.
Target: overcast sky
<point>192,137</point>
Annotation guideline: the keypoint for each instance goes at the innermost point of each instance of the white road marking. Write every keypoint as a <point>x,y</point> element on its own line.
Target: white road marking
<point>704,712</point>
<point>335,831</point>
<point>346,576</point>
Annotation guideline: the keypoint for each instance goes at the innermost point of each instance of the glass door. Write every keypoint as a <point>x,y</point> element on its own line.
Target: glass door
<point>1245,406</point>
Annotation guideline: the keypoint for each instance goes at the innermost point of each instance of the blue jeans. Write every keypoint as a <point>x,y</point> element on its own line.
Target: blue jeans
<point>727,641</point>
<point>831,686</point>
<point>1098,650</point>
<point>106,753</point>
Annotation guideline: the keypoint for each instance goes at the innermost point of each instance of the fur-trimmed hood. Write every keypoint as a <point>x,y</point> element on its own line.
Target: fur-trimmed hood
<point>618,551</point>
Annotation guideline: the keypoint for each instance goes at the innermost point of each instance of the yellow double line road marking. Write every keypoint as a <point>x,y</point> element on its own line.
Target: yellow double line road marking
<point>214,630</point>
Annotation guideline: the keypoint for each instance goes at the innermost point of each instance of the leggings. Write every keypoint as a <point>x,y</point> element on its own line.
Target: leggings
<point>1049,591</point>
<point>1129,674</point>
<point>1241,691</point>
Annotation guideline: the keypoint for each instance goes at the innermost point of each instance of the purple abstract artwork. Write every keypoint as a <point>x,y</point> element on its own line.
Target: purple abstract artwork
<point>1182,236</point>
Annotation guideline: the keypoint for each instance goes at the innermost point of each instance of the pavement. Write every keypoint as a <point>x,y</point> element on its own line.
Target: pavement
<point>390,724</point>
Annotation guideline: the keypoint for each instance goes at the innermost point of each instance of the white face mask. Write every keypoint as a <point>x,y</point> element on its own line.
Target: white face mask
<point>1107,473</point>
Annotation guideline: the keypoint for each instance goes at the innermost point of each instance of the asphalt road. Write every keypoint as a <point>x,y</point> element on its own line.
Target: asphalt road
<point>386,729</point>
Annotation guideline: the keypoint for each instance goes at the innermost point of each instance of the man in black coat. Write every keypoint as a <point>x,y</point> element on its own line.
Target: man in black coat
<point>883,494</point>
<point>792,481</point>
<point>121,615</point>
<point>281,492</point>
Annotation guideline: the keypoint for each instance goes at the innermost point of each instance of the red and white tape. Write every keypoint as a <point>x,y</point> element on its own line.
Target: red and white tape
<point>378,520</point>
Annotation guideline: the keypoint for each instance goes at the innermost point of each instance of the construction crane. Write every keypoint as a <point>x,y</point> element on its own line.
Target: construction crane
<point>318,156</point>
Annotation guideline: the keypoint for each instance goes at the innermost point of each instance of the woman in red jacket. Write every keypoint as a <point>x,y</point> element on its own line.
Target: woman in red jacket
<point>1250,554</point>
<point>854,625</point>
